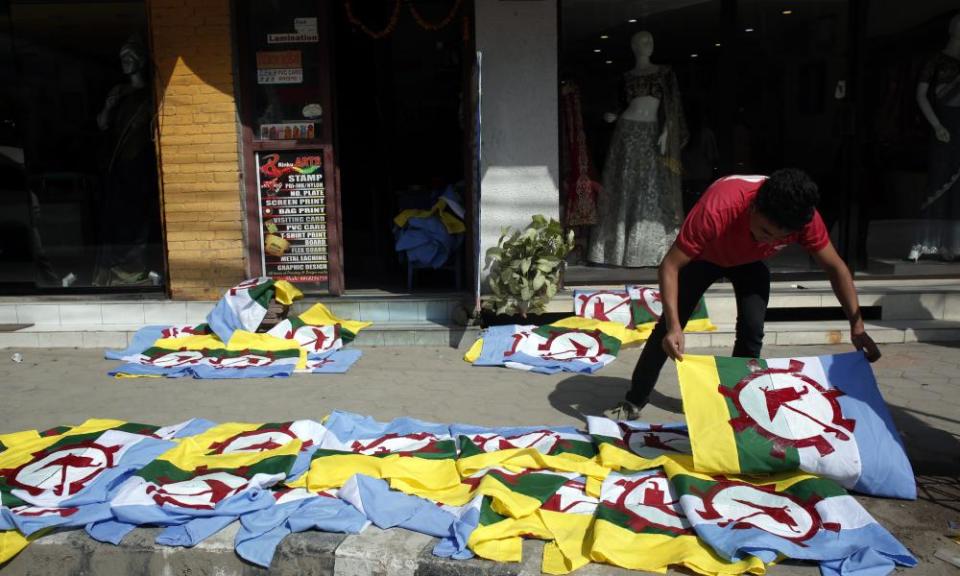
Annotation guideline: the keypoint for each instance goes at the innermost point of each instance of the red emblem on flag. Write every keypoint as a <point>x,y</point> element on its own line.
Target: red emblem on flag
<point>743,506</point>
<point>789,408</point>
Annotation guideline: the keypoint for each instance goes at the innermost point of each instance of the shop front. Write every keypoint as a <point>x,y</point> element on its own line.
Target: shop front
<point>857,93</point>
<point>356,140</point>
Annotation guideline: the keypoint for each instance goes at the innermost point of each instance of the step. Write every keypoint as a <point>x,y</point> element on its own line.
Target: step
<point>917,299</point>
<point>833,332</point>
<point>119,335</point>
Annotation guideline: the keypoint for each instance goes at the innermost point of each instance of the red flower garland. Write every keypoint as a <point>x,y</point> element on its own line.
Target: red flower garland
<point>395,17</point>
<point>390,27</point>
<point>429,25</point>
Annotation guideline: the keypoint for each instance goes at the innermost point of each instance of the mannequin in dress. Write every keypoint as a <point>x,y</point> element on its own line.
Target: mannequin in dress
<point>129,207</point>
<point>938,96</point>
<point>640,206</point>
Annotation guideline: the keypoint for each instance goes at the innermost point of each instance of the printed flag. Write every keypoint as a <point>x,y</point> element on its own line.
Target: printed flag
<point>559,448</point>
<point>207,481</point>
<point>563,519</point>
<point>145,337</point>
<point>636,445</point>
<point>636,307</point>
<point>791,515</point>
<point>823,415</point>
<point>640,526</point>
<point>547,349</point>
<point>246,355</point>
<point>388,508</point>
<point>65,478</point>
<point>294,510</point>
<point>244,306</point>
<point>419,454</point>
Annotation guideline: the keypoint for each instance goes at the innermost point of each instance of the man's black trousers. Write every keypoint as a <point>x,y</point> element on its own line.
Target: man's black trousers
<point>751,285</point>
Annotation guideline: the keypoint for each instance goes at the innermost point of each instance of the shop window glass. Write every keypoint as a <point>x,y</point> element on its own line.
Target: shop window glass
<point>285,40</point>
<point>639,122</point>
<point>791,104</point>
<point>80,206</point>
<point>910,197</point>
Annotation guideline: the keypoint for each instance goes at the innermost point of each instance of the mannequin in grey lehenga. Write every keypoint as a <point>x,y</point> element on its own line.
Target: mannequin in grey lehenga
<point>640,206</point>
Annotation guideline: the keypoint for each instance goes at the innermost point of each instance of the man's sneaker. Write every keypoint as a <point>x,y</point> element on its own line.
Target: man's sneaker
<point>624,410</point>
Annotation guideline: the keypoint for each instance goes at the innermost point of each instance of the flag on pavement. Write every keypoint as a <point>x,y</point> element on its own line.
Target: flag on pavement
<point>203,483</point>
<point>244,306</point>
<point>294,510</point>
<point>791,515</point>
<point>562,518</point>
<point>640,526</point>
<point>637,445</point>
<point>636,307</point>
<point>66,478</point>
<point>246,355</point>
<point>547,349</point>
<point>420,454</point>
<point>559,448</point>
<point>823,415</point>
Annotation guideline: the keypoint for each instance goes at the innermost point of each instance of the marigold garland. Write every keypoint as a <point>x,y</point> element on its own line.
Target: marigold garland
<point>390,27</point>
<point>395,18</point>
<point>429,25</point>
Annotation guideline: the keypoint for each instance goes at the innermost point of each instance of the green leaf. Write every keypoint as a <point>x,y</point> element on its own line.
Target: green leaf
<point>539,281</point>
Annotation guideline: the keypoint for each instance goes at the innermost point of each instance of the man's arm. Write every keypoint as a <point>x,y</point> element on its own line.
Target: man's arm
<point>842,282</point>
<point>668,274</point>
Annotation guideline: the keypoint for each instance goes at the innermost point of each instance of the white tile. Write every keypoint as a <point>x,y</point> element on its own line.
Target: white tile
<point>807,338</point>
<point>951,306</point>
<point>60,339</point>
<point>104,340</point>
<point>696,340</point>
<point>80,314</point>
<point>169,313</point>
<point>8,313</point>
<point>798,300</point>
<point>122,313</point>
<point>38,314</point>
<point>722,339</point>
<point>197,311</point>
<point>14,340</point>
<point>912,306</point>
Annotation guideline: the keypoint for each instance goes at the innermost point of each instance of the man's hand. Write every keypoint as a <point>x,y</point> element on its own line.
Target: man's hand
<point>862,341</point>
<point>673,344</point>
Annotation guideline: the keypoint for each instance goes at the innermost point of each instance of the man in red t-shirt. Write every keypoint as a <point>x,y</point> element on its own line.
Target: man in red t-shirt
<point>737,223</point>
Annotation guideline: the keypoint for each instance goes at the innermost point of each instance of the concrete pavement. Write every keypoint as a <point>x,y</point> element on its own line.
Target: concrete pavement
<point>64,386</point>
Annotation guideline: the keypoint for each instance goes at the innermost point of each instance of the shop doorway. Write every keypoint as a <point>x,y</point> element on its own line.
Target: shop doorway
<point>403,141</point>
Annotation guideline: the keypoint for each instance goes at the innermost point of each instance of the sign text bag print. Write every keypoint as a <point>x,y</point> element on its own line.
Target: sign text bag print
<point>823,415</point>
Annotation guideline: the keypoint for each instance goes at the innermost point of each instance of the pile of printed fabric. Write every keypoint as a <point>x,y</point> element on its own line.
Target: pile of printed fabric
<point>604,322</point>
<point>229,345</point>
<point>759,474</point>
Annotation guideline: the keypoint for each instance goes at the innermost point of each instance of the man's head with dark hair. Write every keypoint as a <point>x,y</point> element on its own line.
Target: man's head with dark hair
<point>785,203</point>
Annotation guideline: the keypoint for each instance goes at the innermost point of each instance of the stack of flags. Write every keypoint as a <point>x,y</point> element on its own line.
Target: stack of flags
<point>759,474</point>
<point>603,323</point>
<point>229,345</point>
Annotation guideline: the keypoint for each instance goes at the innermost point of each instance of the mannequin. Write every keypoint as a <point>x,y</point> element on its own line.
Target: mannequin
<point>640,206</point>
<point>129,206</point>
<point>938,96</point>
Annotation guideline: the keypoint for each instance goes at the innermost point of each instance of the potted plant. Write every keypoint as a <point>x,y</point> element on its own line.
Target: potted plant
<point>525,269</point>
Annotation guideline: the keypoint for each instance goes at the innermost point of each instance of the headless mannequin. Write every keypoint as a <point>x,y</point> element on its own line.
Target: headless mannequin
<point>642,108</point>
<point>923,88</point>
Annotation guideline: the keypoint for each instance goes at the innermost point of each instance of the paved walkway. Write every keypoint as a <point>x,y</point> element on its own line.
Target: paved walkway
<point>920,382</point>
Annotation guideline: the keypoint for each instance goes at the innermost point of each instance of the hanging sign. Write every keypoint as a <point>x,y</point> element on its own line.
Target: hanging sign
<point>279,67</point>
<point>305,31</point>
<point>293,215</point>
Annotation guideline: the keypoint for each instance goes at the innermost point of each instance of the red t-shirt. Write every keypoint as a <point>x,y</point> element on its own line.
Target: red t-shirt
<point>717,230</point>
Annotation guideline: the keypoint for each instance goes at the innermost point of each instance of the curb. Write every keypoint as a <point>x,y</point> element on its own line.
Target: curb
<point>394,552</point>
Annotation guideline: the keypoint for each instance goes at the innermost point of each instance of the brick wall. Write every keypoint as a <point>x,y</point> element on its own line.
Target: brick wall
<point>201,190</point>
